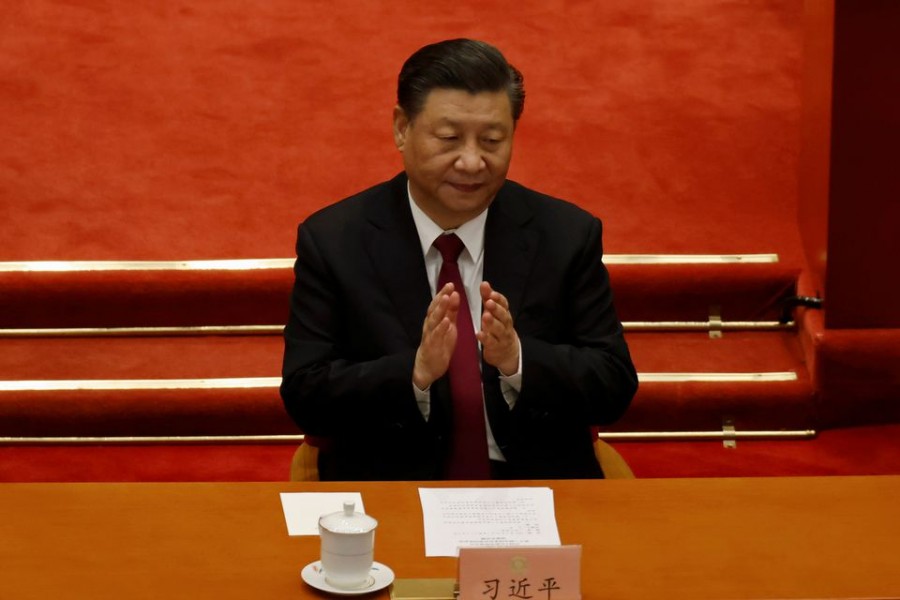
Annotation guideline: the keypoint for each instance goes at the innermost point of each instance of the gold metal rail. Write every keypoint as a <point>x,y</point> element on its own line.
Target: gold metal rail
<point>57,385</point>
<point>227,330</point>
<point>620,436</point>
<point>762,434</point>
<point>712,325</point>
<point>248,264</point>
<point>272,383</point>
<point>239,330</point>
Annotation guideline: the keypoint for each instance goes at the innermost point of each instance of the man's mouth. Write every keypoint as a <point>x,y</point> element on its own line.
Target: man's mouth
<point>467,188</point>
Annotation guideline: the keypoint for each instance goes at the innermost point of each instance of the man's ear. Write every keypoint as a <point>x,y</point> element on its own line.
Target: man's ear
<point>401,123</point>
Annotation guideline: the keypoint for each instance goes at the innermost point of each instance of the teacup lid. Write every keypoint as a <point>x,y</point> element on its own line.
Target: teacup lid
<point>348,521</point>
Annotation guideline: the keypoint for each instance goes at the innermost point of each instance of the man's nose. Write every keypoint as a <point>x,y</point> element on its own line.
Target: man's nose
<point>470,159</point>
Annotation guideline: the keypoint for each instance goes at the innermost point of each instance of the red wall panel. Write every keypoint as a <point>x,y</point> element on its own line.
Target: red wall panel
<point>862,276</point>
<point>815,123</point>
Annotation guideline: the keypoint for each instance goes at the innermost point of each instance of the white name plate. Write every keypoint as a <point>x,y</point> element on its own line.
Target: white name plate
<point>520,573</point>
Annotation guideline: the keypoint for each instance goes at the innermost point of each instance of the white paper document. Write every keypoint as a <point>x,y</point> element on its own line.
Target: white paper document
<point>485,517</point>
<point>303,509</point>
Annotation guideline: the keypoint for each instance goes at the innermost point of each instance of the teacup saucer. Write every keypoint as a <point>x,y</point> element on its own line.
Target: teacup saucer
<point>380,577</point>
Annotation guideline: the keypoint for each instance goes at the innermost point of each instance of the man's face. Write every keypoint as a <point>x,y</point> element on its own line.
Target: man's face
<point>456,152</point>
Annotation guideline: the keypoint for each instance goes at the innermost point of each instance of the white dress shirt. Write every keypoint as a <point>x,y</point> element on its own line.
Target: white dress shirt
<point>471,270</point>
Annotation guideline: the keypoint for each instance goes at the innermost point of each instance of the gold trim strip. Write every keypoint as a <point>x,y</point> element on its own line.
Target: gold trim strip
<point>143,331</point>
<point>620,436</point>
<point>717,377</point>
<point>248,264</point>
<point>156,439</point>
<point>707,325</point>
<point>627,436</point>
<point>278,329</point>
<point>65,266</point>
<point>58,385</point>
<point>689,259</point>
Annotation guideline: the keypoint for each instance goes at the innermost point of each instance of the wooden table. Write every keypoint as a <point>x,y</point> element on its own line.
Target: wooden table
<point>702,538</point>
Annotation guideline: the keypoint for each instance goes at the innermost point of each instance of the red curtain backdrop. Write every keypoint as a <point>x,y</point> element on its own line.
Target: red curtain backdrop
<point>170,130</point>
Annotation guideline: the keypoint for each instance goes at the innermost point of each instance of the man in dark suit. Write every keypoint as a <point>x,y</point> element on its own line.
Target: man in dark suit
<point>377,333</point>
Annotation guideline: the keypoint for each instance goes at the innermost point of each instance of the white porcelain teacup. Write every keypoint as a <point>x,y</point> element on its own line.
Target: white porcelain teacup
<point>348,545</point>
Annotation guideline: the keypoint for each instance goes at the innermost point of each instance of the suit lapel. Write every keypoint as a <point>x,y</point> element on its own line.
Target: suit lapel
<point>396,255</point>
<point>510,245</point>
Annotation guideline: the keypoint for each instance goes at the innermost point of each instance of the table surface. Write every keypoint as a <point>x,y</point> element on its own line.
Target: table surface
<point>817,537</point>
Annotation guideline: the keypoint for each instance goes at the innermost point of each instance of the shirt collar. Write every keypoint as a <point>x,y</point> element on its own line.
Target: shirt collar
<point>471,232</point>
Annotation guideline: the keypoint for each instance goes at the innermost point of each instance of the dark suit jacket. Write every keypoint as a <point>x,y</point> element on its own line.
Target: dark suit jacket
<point>359,301</point>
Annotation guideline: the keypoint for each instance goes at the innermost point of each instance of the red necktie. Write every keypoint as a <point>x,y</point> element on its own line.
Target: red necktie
<point>468,446</point>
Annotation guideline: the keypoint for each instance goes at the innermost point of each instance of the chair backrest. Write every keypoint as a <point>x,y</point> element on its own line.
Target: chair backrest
<point>612,463</point>
<point>305,466</point>
<point>305,463</point>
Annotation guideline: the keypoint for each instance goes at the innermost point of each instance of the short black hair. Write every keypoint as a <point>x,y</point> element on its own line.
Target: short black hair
<point>459,64</point>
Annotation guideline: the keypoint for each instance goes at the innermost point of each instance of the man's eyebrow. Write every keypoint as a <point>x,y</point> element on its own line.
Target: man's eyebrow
<point>454,123</point>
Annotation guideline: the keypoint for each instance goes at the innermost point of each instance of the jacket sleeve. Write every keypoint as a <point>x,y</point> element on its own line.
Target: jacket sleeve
<point>334,382</point>
<point>579,371</point>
